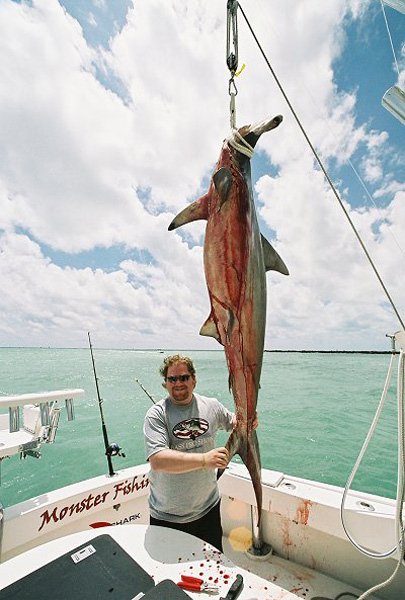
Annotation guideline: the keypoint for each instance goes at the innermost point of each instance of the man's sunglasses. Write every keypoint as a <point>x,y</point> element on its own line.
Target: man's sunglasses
<point>174,378</point>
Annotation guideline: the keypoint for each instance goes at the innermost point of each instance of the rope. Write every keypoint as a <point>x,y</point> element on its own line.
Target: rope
<point>240,144</point>
<point>369,196</point>
<point>356,466</point>
<point>332,132</point>
<point>389,35</point>
<point>320,163</point>
<point>399,528</point>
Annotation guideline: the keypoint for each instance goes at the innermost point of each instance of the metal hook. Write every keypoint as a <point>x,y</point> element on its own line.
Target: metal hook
<point>232,84</point>
<point>232,57</point>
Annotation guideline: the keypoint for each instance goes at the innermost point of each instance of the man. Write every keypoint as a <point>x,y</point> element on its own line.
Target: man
<point>180,433</point>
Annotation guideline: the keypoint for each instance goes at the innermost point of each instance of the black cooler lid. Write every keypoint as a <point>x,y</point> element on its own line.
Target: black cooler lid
<point>97,570</point>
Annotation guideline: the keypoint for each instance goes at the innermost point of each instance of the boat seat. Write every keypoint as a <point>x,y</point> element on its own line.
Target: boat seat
<point>32,420</point>
<point>29,437</point>
<point>31,431</point>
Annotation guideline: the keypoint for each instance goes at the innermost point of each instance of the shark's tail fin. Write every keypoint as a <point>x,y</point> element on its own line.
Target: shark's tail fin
<point>247,446</point>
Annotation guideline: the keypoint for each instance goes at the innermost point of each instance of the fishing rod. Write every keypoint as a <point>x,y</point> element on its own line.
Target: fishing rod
<point>110,449</point>
<point>145,390</point>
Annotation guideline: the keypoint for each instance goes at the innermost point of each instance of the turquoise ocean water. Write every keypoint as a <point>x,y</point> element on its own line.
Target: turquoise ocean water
<point>314,413</point>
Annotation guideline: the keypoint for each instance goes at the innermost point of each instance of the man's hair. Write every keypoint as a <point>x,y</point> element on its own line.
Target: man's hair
<point>169,361</point>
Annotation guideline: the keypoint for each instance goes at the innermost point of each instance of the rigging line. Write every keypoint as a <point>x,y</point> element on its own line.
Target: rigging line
<point>370,197</point>
<point>389,35</point>
<point>320,163</point>
<point>347,160</point>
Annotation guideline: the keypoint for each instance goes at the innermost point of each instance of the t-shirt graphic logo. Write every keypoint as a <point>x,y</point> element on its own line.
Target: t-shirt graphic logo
<point>190,429</point>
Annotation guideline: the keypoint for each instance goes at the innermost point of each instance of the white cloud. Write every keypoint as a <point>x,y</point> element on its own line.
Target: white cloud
<point>332,297</point>
<point>136,305</point>
<point>102,4</point>
<point>172,73</point>
<point>83,168</point>
<point>92,19</point>
<point>376,142</point>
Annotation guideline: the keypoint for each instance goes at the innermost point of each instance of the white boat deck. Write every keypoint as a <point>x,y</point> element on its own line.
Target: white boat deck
<point>311,557</point>
<point>167,554</point>
<point>291,577</point>
<point>163,553</point>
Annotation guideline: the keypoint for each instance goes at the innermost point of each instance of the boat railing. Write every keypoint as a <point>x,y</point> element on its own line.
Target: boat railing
<point>1,525</point>
<point>41,414</point>
<point>40,420</point>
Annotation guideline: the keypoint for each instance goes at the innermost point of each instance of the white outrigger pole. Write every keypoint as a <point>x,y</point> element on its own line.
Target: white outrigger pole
<point>394,98</point>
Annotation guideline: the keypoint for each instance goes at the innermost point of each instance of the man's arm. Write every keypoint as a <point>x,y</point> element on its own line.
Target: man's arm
<point>173,461</point>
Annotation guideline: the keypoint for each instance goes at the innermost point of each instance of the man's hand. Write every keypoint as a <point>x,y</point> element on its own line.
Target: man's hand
<point>174,461</point>
<point>218,458</point>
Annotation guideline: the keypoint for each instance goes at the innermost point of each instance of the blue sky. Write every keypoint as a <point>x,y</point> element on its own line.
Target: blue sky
<point>112,115</point>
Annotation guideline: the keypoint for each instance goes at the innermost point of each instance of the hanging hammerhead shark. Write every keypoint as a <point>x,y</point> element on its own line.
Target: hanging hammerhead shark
<point>236,258</point>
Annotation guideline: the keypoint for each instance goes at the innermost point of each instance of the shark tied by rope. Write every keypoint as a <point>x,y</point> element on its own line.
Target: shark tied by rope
<point>236,258</point>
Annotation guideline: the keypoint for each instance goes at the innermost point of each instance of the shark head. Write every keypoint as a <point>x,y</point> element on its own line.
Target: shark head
<point>223,177</point>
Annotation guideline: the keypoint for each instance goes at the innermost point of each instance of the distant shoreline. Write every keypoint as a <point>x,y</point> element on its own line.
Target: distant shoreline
<point>182,350</point>
<point>337,351</point>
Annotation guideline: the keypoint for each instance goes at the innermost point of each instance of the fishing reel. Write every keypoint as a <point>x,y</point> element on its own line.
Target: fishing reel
<point>114,450</point>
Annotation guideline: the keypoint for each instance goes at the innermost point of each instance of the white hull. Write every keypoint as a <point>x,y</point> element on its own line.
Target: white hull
<point>301,521</point>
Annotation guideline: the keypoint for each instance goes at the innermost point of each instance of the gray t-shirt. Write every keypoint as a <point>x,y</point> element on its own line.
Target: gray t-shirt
<point>184,497</point>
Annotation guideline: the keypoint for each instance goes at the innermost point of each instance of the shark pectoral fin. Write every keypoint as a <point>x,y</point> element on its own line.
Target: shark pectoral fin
<point>210,329</point>
<point>196,211</point>
<point>272,260</point>
<point>223,183</point>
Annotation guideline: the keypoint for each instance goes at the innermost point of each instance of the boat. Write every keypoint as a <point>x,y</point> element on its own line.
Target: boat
<point>306,547</point>
<point>304,551</point>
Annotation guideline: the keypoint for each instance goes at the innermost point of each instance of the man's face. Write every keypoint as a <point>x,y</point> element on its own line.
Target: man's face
<point>180,391</point>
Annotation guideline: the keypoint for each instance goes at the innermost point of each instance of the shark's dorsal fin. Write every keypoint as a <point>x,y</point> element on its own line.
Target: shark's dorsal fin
<point>272,260</point>
<point>193,212</point>
<point>223,183</point>
<point>210,329</point>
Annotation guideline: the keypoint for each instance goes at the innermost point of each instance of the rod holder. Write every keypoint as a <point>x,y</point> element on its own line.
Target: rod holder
<point>54,425</point>
<point>259,549</point>
<point>70,409</point>
<point>45,419</point>
<point>14,419</point>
